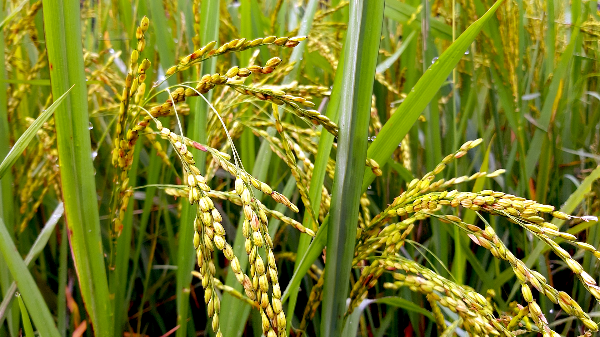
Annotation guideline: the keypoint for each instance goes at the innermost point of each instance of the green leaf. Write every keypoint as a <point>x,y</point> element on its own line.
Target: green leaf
<point>34,252</point>
<point>28,135</point>
<point>30,82</point>
<point>404,173</point>
<point>26,322</point>
<point>396,128</point>
<point>405,13</point>
<point>316,182</point>
<point>26,284</point>
<point>360,59</point>
<point>13,14</point>
<point>7,202</point>
<point>426,88</point>
<point>387,63</point>
<point>312,253</point>
<point>535,147</point>
<point>351,326</point>
<point>118,275</point>
<point>164,38</point>
<point>405,304</point>
<point>65,55</point>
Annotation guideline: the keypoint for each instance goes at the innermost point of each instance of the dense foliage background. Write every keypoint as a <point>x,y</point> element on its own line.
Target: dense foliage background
<point>525,82</point>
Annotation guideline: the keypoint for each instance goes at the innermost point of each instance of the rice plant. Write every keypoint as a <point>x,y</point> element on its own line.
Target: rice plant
<point>276,168</point>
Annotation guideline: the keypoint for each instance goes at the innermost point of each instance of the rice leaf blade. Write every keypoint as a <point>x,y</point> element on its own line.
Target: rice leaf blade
<point>29,134</point>
<point>426,88</point>
<point>360,60</point>
<point>25,316</point>
<point>34,252</point>
<point>63,41</point>
<point>535,147</point>
<point>26,284</point>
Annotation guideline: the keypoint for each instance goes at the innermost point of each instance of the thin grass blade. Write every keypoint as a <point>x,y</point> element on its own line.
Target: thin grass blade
<point>13,13</point>
<point>65,56</point>
<point>351,326</point>
<point>26,284</point>
<point>426,88</point>
<point>396,128</point>
<point>360,60</point>
<point>7,202</point>
<point>25,316</point>
<point>34,252</point>
<point>387,63</point>
<point>535,147</point>
<point>28,135</point>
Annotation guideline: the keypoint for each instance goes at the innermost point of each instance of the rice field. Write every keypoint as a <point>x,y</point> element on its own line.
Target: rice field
<point>299,168</point>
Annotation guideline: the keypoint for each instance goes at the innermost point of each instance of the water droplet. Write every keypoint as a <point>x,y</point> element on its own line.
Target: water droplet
<point>467,52</point>
<point>90,126</point>
<point>434,59</point>
<point>94,154</point>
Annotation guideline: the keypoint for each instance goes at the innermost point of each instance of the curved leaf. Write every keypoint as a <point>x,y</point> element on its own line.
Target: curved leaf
<point>27,285</point>
<point>28,135</point>
<point>352,322</point>
<point>423,92</point>
<point>397,127</point>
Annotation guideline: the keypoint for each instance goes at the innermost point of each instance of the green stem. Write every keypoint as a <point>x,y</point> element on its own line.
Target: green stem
<point>6,186</point>
<point>65,57</point>
<point>360,52</point>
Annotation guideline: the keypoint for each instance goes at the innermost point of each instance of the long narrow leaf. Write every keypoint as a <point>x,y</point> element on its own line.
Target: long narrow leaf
<point>26,322</point>
<point>28,135</point>
<point>65,56</point>
<point>387,63</point>
<point>352,322</point>
<point>396,128</point>
<point>535,148</point>
<point>27,285</point>
<point>360,53</point>
<point>7,202</point>
<point>405,13</point>
<point>407,113</point>
<point>33,253</point>
<point>13,14</point>
<point>317,179</point>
